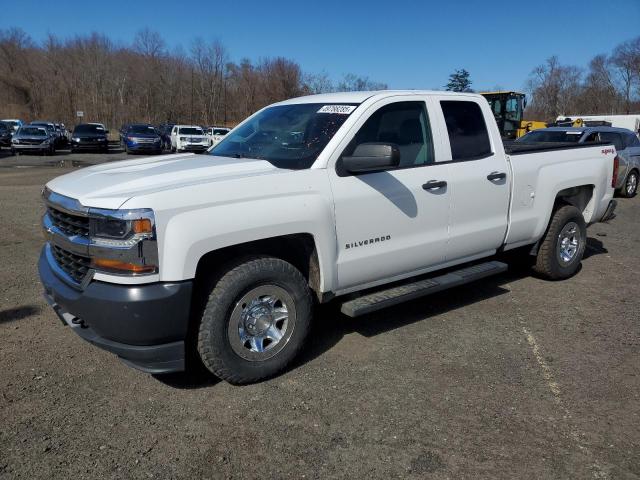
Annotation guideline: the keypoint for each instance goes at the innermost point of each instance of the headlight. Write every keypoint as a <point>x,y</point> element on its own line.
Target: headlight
<point>123,241</point>
<point>75,139</point>
<point>183,139</point>
<point>46,142</point>
<point>102,139</point>
<point>125,227</point>
<point>15,140</point>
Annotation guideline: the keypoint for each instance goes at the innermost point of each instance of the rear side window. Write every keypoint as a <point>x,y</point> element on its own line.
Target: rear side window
<point>611,137</point>
<point>467,131</point>
<point>632,140</point>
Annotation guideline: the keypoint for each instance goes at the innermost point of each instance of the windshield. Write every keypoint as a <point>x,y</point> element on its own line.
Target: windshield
<point>142,129</point>
<point>88,129</point>
<point>190,131</point>
<point>551,136</point>
<point>287,136</point>
<point>32,131</point>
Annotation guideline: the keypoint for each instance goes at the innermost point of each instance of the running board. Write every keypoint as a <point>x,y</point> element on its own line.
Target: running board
<point>395,295</point>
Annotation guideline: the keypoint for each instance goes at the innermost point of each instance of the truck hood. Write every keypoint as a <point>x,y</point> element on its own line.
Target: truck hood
<point>109,185</point>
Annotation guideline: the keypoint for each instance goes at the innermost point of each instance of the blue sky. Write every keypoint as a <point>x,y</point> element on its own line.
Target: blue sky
<point>402,43</point>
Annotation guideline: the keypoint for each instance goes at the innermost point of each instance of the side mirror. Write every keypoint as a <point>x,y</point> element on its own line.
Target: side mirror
<point>372,157</point>
<point>106,131</point>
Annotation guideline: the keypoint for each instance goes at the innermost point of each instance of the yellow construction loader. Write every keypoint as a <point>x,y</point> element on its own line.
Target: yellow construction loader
<point>508,108</point>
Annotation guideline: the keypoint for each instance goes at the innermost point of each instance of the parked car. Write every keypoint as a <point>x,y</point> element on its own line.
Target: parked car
<point>165,134</point>
<point>62,133</point>
<point>338,196</point>
<point>32,138</point>
<point>215,134</point>
<point>188,138</point>
<point>51,129</point>
<point>89,136</point>
<point>14,123</point>
<point>626,142</point>
<point>142,138</point>
<point>6,132</point>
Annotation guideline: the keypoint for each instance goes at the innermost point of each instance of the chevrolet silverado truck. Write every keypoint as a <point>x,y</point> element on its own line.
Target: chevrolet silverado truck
<point>364,198</point>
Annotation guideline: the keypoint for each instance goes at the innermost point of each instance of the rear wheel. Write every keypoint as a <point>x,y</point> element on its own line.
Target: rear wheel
<point>563,245</point>
<point>256,320</point>
<point>630,186</point>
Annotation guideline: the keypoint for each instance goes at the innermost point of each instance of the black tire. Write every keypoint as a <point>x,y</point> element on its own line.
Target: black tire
<point>549,262</point>
<point>217,329</point>
<point>630,187</point>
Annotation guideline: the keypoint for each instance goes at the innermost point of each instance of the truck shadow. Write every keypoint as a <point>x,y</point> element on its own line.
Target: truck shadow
<point>330,325</point>
<point>18,313</point>
<point>594,247</point>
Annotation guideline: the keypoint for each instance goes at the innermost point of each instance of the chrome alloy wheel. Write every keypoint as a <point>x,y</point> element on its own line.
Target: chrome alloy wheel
<point>262,323</point>
<point>632,184</point>
<point>568,243</point>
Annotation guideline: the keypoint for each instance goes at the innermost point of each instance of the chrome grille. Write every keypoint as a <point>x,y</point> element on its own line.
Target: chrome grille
<point>75,266</point>
<point>69,224</point>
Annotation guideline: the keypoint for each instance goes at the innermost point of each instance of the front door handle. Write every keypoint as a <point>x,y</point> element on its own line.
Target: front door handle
<point>496,176</point>
<point>434,184</point>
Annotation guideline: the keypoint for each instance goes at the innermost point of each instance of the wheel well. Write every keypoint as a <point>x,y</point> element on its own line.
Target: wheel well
<point>298,249</point>
<point>580,197</point>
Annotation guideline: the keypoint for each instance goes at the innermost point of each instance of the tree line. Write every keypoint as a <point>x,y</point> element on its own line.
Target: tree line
<point>145,81</point>
<point>609,85</point>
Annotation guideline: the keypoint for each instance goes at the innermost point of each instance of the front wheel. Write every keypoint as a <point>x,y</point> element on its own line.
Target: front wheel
<point>563,245</point>
<point>630,186</point>
<point>256,320</point>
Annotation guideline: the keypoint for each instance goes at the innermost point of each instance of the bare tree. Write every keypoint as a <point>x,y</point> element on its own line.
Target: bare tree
<point>626,62</point>
<point>555,88</point>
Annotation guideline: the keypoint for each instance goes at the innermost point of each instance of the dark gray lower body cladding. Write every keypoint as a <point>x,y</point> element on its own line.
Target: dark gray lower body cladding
<point>402,293</point>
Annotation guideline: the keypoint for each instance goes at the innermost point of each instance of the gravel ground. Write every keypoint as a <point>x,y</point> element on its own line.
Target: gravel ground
<point>511,377</point>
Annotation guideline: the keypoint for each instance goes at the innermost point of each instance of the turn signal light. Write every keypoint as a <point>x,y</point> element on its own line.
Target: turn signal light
<point>117,265</point>
<point>616,167</point>
<point>141,226</point>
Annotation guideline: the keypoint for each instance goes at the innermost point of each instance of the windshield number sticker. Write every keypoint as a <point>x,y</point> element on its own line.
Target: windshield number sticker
<point>339,109</point>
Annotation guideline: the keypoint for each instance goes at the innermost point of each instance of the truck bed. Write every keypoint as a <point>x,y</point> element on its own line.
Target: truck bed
<point>516,148</point>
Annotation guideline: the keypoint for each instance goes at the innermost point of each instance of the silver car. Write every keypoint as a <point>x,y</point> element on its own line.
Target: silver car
<point>626,142</point>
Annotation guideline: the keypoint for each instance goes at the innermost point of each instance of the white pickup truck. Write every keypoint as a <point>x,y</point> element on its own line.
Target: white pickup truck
<point>357,197</point>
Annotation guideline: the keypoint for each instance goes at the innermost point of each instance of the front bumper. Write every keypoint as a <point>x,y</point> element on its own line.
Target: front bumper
<point>144,147</point>
<point>89,145</point>
<point>144,325</point>
<point>23,146</point>
<point>194,147</point>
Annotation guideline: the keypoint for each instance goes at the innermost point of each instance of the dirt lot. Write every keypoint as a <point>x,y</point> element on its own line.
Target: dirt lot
<point>513,377</point>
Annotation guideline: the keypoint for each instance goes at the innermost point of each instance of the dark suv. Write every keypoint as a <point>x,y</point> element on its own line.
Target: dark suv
<point>89,136</point>
<point>5,135</point>
<point>141,138</point>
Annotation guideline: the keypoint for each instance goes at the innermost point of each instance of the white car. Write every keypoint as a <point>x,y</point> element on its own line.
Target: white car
<point>188,138</point>
<point>216,134</point>
<point>346,197</point>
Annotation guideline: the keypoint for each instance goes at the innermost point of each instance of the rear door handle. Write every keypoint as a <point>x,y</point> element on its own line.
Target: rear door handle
<point>434,184</point>
<point>496,176</point>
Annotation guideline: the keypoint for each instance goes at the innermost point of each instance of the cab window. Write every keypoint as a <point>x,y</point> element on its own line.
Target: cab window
<point>467,130</point>
<point>405,124</point>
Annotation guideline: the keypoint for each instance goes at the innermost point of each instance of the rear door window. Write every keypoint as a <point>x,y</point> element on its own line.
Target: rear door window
<point>467,130</point>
